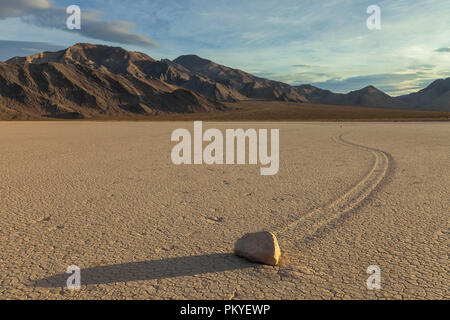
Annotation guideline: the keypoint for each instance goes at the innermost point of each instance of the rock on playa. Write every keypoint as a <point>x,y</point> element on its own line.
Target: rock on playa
<point>261,247</point>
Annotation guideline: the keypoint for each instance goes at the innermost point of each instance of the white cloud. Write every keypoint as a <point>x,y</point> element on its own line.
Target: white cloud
<point>17,8</point>
<point>91,26</point>
<point>41,14</point>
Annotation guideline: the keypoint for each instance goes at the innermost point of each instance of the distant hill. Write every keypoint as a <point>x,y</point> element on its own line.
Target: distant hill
<point>366,97</point>
<point>246,84</point>
<point>88,80</point>
<point>434,97</point>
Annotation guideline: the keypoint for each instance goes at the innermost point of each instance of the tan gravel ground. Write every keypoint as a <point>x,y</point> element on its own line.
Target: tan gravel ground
<point>106,197</point>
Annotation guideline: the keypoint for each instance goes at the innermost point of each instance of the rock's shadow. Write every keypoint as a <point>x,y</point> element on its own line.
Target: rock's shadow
<point>150,270</point>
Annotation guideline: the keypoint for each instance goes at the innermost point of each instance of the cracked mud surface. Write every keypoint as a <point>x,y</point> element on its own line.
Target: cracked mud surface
<point>106,197</point>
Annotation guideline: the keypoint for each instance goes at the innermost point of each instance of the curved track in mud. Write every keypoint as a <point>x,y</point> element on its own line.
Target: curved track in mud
<point>313,221</point>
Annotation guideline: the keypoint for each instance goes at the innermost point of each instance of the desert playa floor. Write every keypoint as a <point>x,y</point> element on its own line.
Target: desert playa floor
<point>106,197</point>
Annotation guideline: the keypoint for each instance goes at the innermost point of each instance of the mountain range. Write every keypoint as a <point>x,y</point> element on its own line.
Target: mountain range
<point>86,80</point>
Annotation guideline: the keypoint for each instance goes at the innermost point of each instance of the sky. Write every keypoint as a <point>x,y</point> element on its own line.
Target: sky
<point>322,42</point>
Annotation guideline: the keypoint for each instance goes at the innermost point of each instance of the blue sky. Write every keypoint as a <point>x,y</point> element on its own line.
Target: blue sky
<point>322,42</point>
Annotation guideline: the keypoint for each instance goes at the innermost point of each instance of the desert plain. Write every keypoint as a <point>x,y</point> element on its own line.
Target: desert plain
<point>106,197</point>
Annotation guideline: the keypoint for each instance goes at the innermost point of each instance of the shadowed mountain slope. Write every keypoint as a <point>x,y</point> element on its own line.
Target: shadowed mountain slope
<point>245,83</point>
<point>155,86</point>
<point>119,61</point>
<point>436,96</point>
<point>73,90</point>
